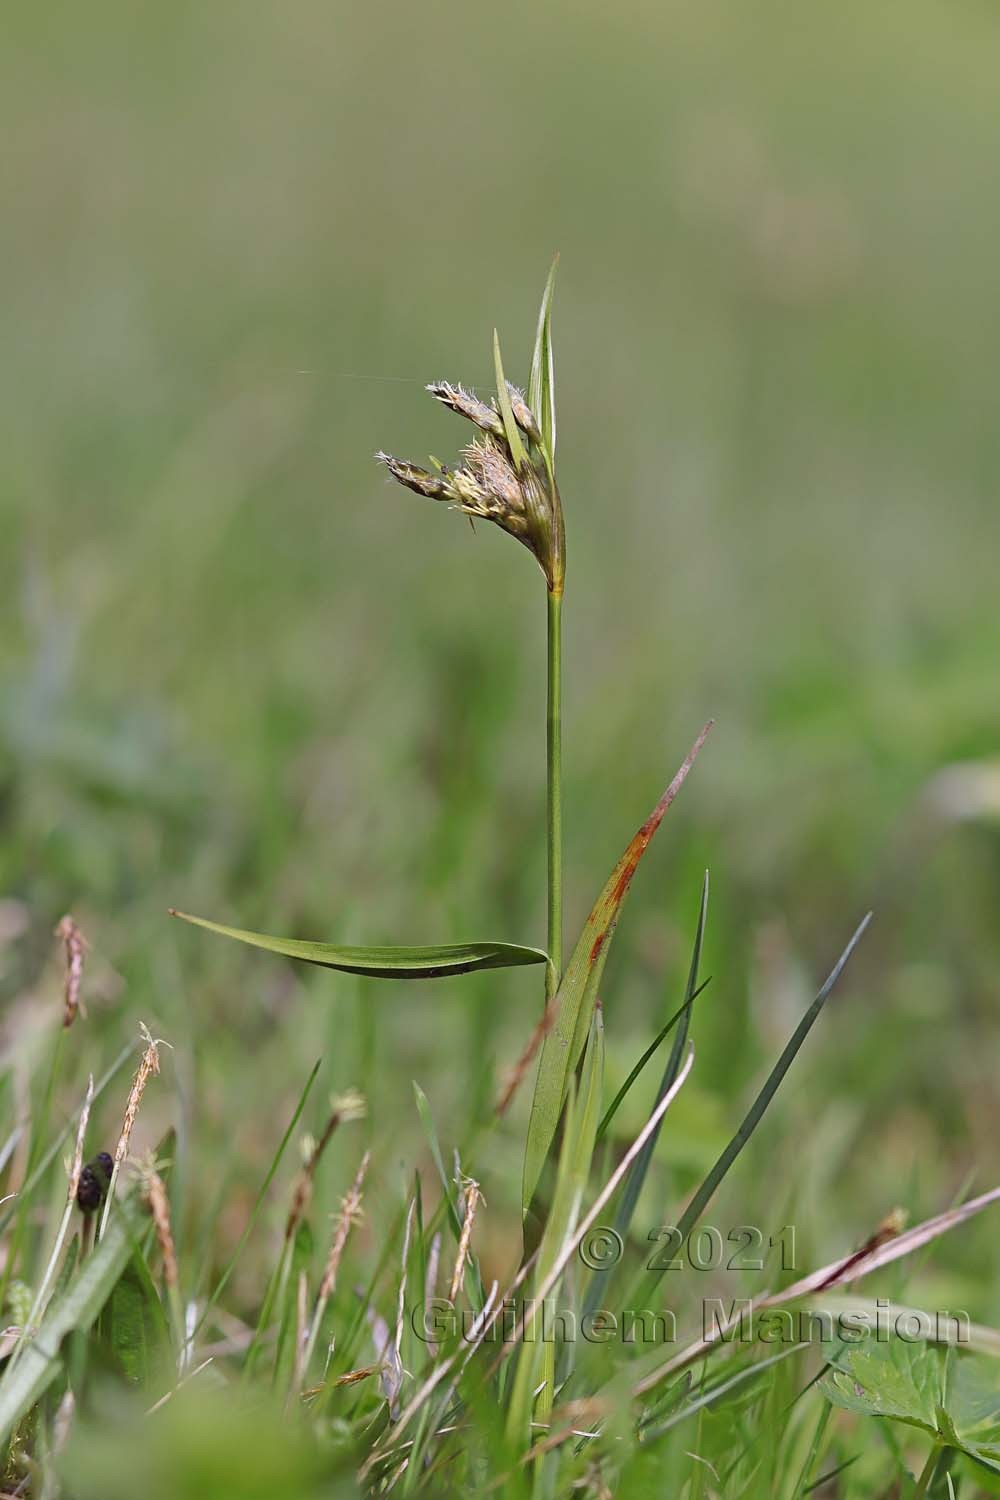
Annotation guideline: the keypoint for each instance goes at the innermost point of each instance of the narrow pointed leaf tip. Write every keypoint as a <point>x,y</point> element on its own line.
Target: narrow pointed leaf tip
<point>577,993</point>
<point>513,436</point>
<point>541,386</point>
<point>427,962</point>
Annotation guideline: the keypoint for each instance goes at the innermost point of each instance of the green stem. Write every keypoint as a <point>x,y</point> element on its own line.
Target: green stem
<point>553,748</point>
<point>927,1472</point>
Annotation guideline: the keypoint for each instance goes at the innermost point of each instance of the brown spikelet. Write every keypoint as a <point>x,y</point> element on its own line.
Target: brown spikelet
<point>473,1197</point>
<point>75,945</point>
<point>149,1065</point>
<point>159,1207</point>
<point>350,1214</point>
<point>523,415</point>
<point>467,404</point>
<point>501,478</point>
<point>345,1107</point>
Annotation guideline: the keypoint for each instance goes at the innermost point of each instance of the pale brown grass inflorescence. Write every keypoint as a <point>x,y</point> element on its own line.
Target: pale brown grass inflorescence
<point>76,946</point>
<point>344,1108</point>
<point>499,479</point>
<point>159,1206</point>
<point>148,1066</point>
<point>350,1214</point>
<point>472,1196</point>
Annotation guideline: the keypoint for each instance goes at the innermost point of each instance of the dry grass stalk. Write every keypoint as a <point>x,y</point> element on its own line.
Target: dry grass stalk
<point>76,945</point>
<point>472,1196</point>
<point>149,1065</point>
<point>345,1107</point>
<point>42,1295</point>
<point>301,1330</point>
<point>159,1207</point>
<point>517,1074</point>
<point>401,1303</point>
<point>350,1214</point>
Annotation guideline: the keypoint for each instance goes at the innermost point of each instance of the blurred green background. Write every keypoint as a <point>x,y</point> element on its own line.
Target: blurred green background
<point>244,674</point>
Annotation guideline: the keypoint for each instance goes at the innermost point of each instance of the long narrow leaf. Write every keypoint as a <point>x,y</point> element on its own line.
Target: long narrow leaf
<point>76,1309</point>
<point>541,386</point>
<point>536,1359</point>
<point>384,963</point>
<point>845,1270</point>
<point>261,1195</point>
<point>563,1046</point>
<point>637,1176</point>
<point>650,1052</point>
<point>755,1114</point>
<point>708,1398</point>
<point>511,432</point>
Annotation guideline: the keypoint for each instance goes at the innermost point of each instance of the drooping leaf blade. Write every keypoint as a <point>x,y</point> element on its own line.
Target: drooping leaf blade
<point>541,385</point>
<point>574,1000</point>
<point>428,962</point>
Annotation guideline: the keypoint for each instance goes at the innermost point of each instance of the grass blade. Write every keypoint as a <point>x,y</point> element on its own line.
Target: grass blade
<point>541,385</point>
<point>76,1309</point>
<point>447,1186</point>
<point>536,1361</point>
<point>429,962</point>
<point>637,1176</point>
<point>511,432</point>
<point>261,1195</point>
<point>653,1047</point>
<point>755,1114</point>
<point>846,1269</point>
<point>716,1392</point>
<point>574,1000</point>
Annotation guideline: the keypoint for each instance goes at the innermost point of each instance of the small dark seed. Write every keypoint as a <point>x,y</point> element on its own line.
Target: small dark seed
<point>90,1191</point>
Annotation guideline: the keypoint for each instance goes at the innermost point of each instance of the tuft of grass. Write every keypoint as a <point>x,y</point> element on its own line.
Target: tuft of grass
<point>394,1350</point>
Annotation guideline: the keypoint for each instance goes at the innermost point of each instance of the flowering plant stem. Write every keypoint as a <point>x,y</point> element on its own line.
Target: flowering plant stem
<point>553,748</point>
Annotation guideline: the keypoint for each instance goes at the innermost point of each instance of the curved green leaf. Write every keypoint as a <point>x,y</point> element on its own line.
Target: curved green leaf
<point>384,963</point>
<point>574,1000</point>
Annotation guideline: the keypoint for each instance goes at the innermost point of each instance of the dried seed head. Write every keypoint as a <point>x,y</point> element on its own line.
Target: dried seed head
<point>515,490</point>
<point>420,480</point>
<point>343,1109</point>
<point>149,1065</point>
<point>471,1197</point>
<point>159,1206</point>
<point>502,477</point>
<point>76,947</point>
<point>467,404</point>
<point>350,1214</point>
<point>523,415</point>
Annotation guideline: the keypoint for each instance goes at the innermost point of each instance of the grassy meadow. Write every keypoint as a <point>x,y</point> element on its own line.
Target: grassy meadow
<point>243,674</point>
